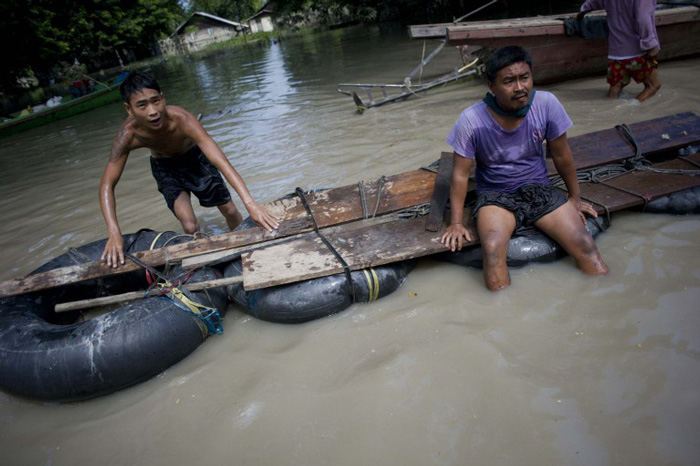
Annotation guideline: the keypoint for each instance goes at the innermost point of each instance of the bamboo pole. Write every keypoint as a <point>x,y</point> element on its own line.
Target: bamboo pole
<point>135,295</point>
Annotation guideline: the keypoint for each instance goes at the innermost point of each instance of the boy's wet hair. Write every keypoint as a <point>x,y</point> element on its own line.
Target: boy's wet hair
<point>503,57</point>
<point>136,82</point>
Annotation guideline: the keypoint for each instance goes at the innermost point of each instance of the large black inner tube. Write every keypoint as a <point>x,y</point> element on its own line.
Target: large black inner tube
<point>680,203</point>
<point>319,297</point>
<point>523,249</point>
<point>49,356</point>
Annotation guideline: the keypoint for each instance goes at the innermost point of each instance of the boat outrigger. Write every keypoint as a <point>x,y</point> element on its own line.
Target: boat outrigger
<point>396,92</point>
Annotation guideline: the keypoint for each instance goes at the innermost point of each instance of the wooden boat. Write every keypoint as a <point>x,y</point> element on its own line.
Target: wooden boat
<point>103,95</point>
<point>557,56</point>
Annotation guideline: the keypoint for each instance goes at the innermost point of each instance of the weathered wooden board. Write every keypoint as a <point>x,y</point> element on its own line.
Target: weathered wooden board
<point>636,188</point>
<point>398,240</point>
<point>330,207</point>
<point>441,192</point>
<point>227,255</point>
<point>365,247</point>
<point>653,136</point>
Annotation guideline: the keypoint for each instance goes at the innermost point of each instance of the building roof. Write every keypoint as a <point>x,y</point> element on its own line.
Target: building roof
<point>212,17</point>
<point>268,8</point>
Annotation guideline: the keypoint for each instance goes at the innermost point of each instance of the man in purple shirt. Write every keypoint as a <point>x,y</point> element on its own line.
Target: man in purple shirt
<point>632,45</point>
<point>503,136</point>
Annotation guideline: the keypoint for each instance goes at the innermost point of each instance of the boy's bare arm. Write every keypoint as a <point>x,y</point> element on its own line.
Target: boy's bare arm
<point>193,129</point>
<point>113,254</point>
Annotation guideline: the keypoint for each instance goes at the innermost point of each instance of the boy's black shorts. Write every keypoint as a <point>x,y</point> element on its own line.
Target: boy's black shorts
<point>529,203</point>
<point>191,172</point>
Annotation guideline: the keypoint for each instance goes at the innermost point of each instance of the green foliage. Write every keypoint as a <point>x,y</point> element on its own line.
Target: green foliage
<point>234,10</point>
<point>38,34</point>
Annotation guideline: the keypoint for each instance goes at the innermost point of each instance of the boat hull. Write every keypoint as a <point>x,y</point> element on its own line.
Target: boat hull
<point>73,107</point>
<point>558,57</point>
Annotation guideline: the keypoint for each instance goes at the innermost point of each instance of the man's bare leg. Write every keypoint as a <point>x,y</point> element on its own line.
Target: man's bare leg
<point>652,84</point>
<point>185,213</point>
<point>495,226</point>
<point>231,214</point>
<point>564,226</point>
<point>614,91</point>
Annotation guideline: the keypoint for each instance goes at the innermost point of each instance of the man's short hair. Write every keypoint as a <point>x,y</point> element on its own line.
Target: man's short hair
<point>503,57</point>
<point>136,82</point>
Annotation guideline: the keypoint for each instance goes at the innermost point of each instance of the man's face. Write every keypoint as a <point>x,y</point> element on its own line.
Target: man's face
<point>148,107</point>
<point>512,86</point>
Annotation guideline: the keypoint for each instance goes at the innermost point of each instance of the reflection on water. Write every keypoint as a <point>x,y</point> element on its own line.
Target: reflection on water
<point>557,369</point>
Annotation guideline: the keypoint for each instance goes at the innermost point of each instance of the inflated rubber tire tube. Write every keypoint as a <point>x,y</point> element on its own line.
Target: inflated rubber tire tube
<point>48,356</point>
<point>680,203</point>
<point>319,297</point>
<point>522,250</point>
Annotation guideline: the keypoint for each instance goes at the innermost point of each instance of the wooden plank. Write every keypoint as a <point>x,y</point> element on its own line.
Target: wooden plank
<point>228,255</point>
<point>330,207</point>
<point>441,192</point>
<point>308,257</point>
<point>636,188</point>
<point>653,136</point>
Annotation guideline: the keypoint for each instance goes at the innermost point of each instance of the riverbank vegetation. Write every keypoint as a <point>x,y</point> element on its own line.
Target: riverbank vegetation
<point>50,42</point>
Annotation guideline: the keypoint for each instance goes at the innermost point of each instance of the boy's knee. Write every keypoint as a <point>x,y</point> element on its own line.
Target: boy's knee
<point>190,226</point>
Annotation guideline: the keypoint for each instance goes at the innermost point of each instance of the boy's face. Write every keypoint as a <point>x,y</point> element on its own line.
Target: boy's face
<point>512,86</point>
<point>147,106</point>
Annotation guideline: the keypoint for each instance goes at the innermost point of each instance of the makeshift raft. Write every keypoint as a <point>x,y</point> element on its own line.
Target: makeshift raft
<point>333,232</point>
<point>364,225</point>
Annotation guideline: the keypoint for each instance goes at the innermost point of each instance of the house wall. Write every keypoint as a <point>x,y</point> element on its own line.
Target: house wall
<point>208,33</point>
<point>262,23</point>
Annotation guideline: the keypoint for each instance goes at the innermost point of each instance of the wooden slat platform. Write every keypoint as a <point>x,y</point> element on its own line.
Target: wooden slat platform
<point>398,240</point>
<point>331,207</point>
<point>653,136</point>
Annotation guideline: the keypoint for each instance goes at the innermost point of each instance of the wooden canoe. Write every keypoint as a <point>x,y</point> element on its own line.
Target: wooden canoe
<point>98,98</point>
<point>558,57</point>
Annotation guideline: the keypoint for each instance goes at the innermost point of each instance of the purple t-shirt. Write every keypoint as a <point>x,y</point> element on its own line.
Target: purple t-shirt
<point>631,25</point>
<point>507,160</point>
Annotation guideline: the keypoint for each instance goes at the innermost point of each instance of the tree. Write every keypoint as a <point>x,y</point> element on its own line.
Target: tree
<point>38,34</point>
<point>229,9</point>
<point>29,36</point>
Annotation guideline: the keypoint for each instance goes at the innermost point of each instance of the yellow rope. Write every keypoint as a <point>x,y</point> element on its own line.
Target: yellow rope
<point>178,294</point>
<point>155,240</point>
<point>372,284</point>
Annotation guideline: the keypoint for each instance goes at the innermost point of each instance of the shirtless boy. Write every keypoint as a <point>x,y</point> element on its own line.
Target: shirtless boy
<point>184,160</point>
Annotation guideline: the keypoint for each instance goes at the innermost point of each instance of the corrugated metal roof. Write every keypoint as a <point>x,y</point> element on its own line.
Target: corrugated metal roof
<point>212,17</point>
